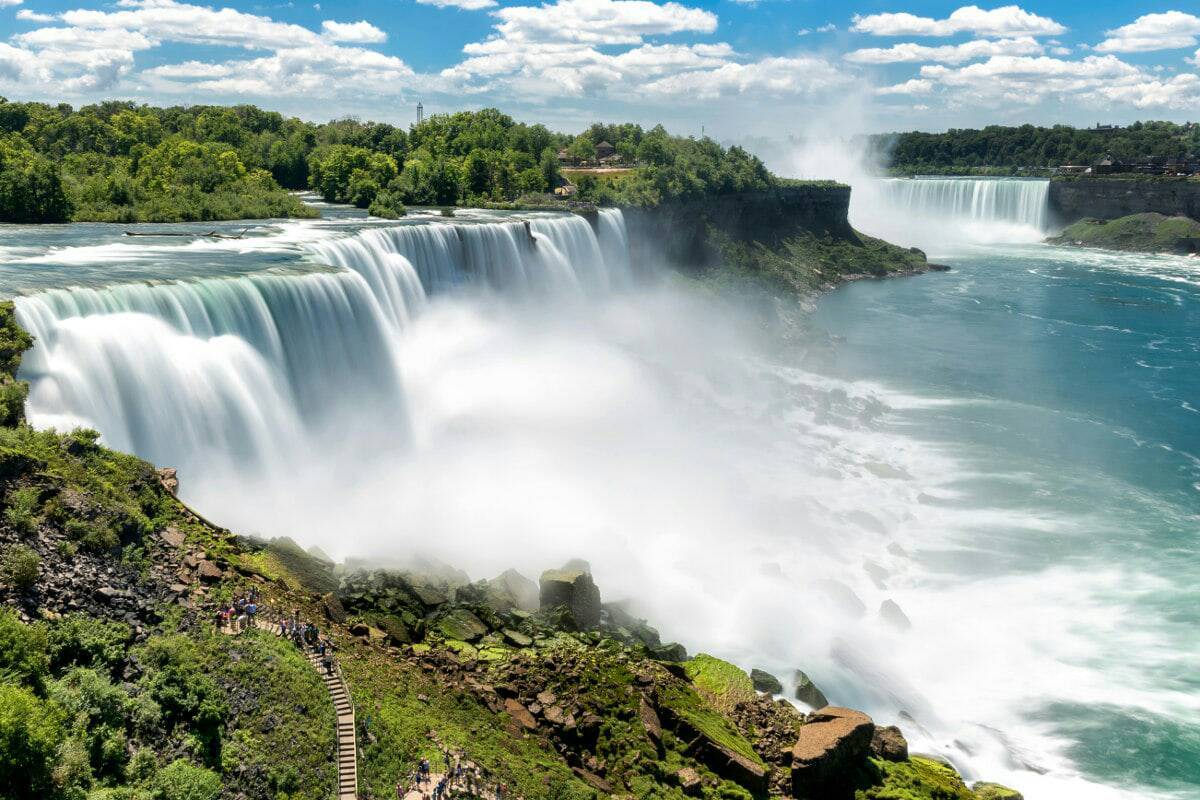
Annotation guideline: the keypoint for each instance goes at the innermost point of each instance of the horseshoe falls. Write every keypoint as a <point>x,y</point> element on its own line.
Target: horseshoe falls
<point>935,212</point>
<point>1009,452</point>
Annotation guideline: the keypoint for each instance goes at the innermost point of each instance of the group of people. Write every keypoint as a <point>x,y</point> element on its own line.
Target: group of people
<point>307,637</point>
<point>461,778</point>
<point>239,615</point>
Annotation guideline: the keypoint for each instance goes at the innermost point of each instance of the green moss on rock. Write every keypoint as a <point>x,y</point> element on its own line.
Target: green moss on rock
<point>1145,233</point>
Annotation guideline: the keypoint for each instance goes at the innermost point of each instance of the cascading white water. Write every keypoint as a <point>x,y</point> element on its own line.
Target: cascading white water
<point>247,374</point>
<point>934,212</point>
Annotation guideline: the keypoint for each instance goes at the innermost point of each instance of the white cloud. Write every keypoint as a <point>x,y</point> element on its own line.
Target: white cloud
<point>913,86</point>
<point>84,39</point>
<point>4,3</point>
<point>600,21</point>
<point>1005,21</point>
<point>361,32</point>
<point>827,28</point>
<point>774,76</point>
<point>167,20</point>
<point>1166,31</point>
<point>321,70</point>
<point>1180,92</point>
<point>34,16</point>
<point>910,52</point>
<point>467,5</point>
<point>803,32</point>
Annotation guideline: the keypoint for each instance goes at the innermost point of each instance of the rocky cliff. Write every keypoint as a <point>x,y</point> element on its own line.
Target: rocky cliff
<point>794,238</point>
<point>1082,197</point>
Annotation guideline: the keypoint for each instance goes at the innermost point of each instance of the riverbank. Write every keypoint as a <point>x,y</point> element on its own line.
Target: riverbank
<point>1142,233</point>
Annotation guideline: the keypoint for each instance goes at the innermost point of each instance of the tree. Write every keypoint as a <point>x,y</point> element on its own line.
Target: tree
<point>181,780</point>
<point>31,731</point>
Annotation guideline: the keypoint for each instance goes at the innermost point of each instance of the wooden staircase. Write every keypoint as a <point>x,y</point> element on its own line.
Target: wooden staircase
<point>347,738</point>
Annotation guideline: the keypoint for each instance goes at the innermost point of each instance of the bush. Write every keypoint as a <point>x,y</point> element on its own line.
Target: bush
<point>176,681</point>
<point>22,511</point>
<point>78,640</point>
<point>23,657</point>
<point>387,205</point>
<point>19,566</point>
<point>97,536</point>
<point>31,731</point>
<point>181,780</point>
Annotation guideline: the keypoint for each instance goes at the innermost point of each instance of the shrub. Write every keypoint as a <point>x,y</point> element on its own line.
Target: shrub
<point>181,780</point>
<point>78,640</point>
<point>22,510</point>
<point>387,205</point>
<point>19,566</point>
<point>95,536</point>
<point>31,731</point>
<point>23,656</point>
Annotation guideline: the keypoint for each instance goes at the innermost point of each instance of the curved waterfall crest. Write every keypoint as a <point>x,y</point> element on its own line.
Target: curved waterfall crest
<point>232,371</point>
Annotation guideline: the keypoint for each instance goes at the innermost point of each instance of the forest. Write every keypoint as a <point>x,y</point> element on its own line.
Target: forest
<point>1006,150</point>
<point>125,162</point>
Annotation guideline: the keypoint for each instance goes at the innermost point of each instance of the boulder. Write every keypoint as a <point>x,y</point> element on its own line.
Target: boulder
<point>807,691</point>
<point>994,791</point>
<point>889,744</point>
<point>461,625</point>
<point>520,714</point>
<point>334,610</point>
<point>169,478</point>
<point>843,597</point>
<point>650,722</point>
<point>892,614</point>
<point>397,632</point>
<point>516,638</point>
<point>689,781</point>
<point>573,590</point>
<point>510,589</point>
<point>173,537</point>
<point>765,682</point>
<point>208,571</point>
<point>730,764</point>
<point>673,652</point>
<point>832,745</point>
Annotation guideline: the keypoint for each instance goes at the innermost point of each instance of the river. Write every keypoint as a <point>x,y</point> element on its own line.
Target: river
<point>1007,451</point>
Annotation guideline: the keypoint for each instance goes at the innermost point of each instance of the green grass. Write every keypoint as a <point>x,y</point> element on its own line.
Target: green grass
<point>724,684</point>
<point>1147,233</point>
<point>915,779</point>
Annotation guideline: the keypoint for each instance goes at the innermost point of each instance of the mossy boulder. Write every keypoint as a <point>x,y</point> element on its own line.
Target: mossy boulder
<point>994,791</point>
<point>462,625</point>
<point>807,692</point>
<point>915,779</point>
<point>765,682</point>
<point>723,683</point>
<point>574,591</point>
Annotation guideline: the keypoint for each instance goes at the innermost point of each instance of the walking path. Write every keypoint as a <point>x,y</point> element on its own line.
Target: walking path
<point>347,743</point>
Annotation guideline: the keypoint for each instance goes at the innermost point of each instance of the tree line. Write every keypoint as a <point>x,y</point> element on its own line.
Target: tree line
<point>1004,148</point>
<point>125,162</point>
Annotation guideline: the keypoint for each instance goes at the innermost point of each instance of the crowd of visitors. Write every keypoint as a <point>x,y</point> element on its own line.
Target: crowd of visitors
<point>461,778</point>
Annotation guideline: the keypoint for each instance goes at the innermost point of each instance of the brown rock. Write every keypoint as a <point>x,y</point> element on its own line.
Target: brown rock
<point>169,477</point>
<point>208,571</point>
<point>520,714</point>
<point>832,744</point>
<point>173,536</point>
<point>889,744</point>
<point>593,780</point>
<point>334,610</point>
<point>555,715</point>
<point>730,764</point>
<point>650,721</point>
<point>547,698</point>
<point>689,781</point>
<point>573,590</point>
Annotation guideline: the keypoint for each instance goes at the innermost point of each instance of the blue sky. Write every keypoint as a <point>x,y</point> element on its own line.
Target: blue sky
<point>739,69</point>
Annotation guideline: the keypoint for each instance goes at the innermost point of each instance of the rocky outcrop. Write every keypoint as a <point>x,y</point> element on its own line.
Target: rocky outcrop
<point>573,591</point>
<point>765,682</point>
<point>889,744</point>
<point>994,791</point>
<point>807,691</point>
<point>833,745</point>
<point>1100,197</point>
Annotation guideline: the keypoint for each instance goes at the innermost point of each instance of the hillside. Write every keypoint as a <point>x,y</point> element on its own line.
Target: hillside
<point>1145,233</point>
<point>119,684</point>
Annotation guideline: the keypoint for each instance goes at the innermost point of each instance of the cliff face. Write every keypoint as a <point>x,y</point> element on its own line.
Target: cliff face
<point>1073,199</point>
<point>677,234</point>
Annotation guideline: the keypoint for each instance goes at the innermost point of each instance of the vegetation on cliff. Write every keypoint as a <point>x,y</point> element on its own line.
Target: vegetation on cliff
<point>1144,233</point>
<point>999,149</point>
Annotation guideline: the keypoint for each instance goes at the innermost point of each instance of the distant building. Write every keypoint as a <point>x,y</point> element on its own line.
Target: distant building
<point>1107,166</point>
<point>604,151</point>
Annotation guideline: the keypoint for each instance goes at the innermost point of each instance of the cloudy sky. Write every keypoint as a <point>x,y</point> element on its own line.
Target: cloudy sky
<point>740,68</point>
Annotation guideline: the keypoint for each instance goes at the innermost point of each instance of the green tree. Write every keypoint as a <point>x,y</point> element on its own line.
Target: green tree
<point>31,732</point>
<point>181,780</point>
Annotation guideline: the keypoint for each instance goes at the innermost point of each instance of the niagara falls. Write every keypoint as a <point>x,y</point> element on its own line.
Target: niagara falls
<point>599,400</point>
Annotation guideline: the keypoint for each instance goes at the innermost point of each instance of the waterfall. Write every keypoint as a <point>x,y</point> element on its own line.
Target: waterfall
<point>249,373</point>
<point>932,212</point>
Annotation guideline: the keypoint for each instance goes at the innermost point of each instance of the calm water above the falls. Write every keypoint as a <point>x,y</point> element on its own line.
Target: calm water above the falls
<point>1066,386</point>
